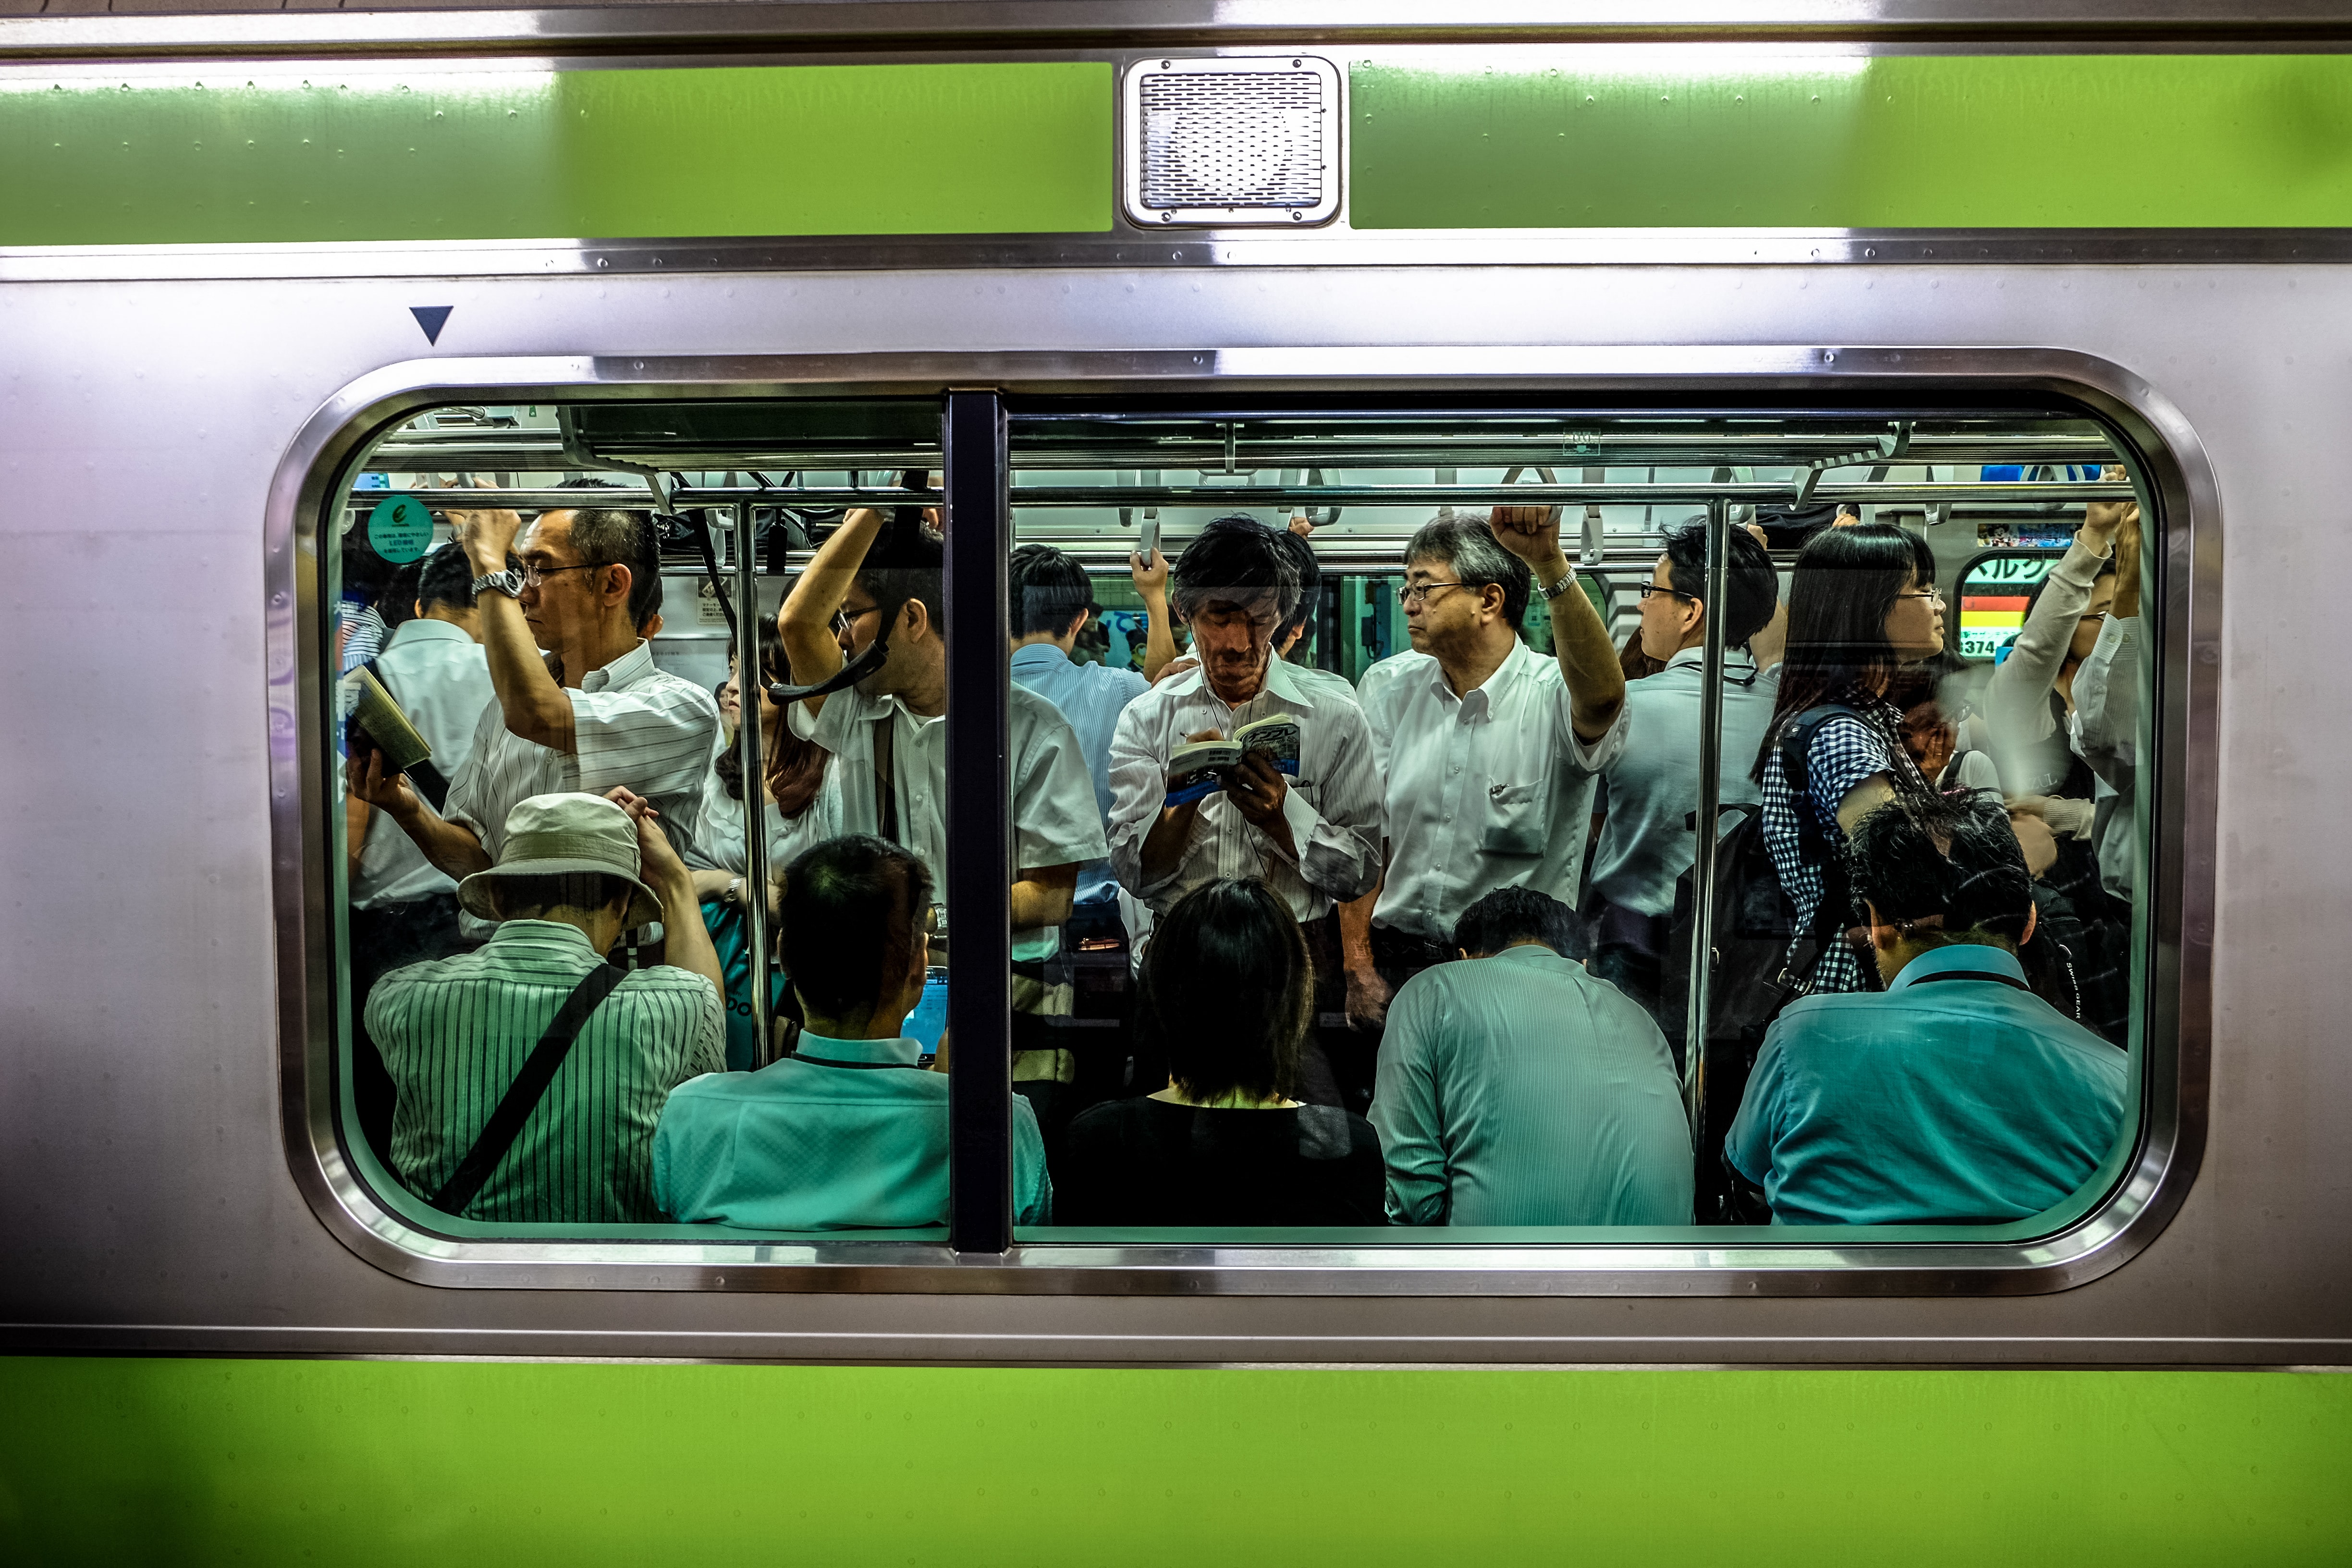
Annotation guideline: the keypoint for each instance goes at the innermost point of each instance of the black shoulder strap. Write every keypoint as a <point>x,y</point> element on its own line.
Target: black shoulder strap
<point>529,1087</point>
<point>1988,979</point>
<point>886,793</point>
<point>1836,905</point>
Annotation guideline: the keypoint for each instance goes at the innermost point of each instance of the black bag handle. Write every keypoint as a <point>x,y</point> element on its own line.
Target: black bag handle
<point>529,1087</point>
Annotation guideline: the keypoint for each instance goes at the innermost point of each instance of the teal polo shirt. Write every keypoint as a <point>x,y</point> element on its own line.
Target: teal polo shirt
<point>845,1134</point>
<point>1959,1101</point>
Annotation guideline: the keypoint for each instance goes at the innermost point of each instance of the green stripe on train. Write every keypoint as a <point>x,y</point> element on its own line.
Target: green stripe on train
<point>274,153</point>
<point>1644,140</point>
<point>358,1463</point>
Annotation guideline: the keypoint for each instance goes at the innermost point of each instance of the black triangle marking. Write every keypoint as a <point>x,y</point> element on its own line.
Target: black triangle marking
<point>431,318</point>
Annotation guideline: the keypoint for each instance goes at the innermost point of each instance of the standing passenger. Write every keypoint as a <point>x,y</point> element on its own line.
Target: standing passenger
<point>1517,1090</point>
<point>1650,755</point>
<point>1314,839</point>
<point>1862,603</point>
<point>581,704</point>
<point>1479,735</point>
<point>405,908</point>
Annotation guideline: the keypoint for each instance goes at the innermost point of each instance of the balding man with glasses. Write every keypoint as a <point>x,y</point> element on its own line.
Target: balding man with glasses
<point>1477,734</point>
<point>581,706</point>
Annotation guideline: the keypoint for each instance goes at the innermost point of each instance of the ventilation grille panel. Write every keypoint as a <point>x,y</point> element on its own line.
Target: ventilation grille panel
<point>1220,140</point>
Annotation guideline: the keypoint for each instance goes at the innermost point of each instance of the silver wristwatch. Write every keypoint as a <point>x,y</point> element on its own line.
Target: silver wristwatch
<point>509,582</point>
<point>1551,590</point>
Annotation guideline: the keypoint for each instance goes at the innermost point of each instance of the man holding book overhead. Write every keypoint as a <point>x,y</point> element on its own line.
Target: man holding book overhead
<point>1293,795</point>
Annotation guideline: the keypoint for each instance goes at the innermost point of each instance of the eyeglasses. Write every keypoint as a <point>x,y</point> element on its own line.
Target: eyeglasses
<point>1418,593</point>
<point>533,576</point>
<point>1650,588</point>
<point>934,920</point>
<point>845,619</point>
<point>1934,596</point>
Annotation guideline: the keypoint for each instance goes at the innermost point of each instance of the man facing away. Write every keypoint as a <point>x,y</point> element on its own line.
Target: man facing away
<point>603,717</point>
<point>1515,1088</point>
<point>1650,755</point>
<point>851,1130</point>
<point>403,908</point>
<point>575,871</point>
<point>1954,1097</point>
<point>1477,734</point>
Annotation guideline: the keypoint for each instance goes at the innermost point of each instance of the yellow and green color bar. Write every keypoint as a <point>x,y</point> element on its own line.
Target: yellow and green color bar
<point>279,153</point>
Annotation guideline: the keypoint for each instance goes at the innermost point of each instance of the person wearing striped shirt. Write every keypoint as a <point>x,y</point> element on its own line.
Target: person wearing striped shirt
<point>455,1032</point>
<point>1515,1088</point>
<point>581,706</point>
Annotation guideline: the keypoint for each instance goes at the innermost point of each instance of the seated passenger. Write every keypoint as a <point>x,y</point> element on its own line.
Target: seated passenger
<point>456,1033</point>
<point>1958,1097</point>
<point>851,1131</point>
<point>1226,998</point>
<point>1517,1090</point>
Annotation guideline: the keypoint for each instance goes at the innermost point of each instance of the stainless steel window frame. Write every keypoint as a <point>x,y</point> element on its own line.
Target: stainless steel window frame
<point>2185,598</point>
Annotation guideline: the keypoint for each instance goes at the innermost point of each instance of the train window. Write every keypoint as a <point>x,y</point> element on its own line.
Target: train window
<point>1500,823</point>
<point>1401,726</point>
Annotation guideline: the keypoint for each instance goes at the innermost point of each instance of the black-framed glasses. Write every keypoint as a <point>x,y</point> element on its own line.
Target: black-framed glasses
<point>1412,591</point>
<point>845,619</point>
<point>1649,588</point>
<point>533,576</point>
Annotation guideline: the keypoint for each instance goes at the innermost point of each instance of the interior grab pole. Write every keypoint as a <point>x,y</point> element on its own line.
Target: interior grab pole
<point>1710,789</point>
<point>748,678</point>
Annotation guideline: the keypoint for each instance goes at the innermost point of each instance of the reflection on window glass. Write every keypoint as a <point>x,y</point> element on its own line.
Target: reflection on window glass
<point>1401,802</point>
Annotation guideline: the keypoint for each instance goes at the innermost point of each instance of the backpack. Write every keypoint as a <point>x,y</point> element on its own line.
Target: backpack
<point>1758,961</point>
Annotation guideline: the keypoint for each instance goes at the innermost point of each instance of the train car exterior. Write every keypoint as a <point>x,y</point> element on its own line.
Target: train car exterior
<point>236,250</point>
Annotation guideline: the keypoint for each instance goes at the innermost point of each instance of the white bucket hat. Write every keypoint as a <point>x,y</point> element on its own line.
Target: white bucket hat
<point>557,835</point>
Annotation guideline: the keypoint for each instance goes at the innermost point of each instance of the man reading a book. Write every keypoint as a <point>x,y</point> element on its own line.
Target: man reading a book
<point>580,703</point>
<point>1307,825</point>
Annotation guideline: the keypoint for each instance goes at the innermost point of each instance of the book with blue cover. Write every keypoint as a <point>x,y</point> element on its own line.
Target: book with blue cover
<point>1199,768</point>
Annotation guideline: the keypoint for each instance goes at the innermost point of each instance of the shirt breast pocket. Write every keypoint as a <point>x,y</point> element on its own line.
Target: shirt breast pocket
<point>1518,818</point>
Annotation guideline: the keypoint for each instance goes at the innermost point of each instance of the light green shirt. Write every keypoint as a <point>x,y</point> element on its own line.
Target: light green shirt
<point>1518,1090</point>
<point>456,1032</point>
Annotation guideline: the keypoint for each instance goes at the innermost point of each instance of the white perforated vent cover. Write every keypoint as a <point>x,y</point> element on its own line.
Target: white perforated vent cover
<point>1222,140</point>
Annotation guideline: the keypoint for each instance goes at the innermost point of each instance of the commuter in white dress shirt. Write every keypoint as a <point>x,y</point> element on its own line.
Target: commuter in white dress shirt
<point>895,718</point>
<point>581,705</point>
<point>1314,839</point>
<point>1293,640</point>
<point>1478,738</point>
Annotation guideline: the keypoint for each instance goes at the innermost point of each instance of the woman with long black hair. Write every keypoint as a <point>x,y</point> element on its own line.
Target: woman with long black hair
<point>1863,603</point>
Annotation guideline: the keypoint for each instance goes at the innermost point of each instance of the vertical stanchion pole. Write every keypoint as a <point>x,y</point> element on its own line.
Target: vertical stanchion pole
<point>1710,789</point>
<point>748,679</point>
<point>979,824</point>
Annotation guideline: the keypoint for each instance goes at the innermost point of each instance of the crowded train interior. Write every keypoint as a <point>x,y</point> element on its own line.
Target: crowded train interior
<point>1847,701</point>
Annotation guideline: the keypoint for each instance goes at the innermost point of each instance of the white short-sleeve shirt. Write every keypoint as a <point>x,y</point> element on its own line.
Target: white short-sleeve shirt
<point>441,678</point>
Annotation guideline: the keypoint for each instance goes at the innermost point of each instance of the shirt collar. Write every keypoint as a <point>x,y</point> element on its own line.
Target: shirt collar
<point>1282,683</point>
<point>1959,957</point>
<point>423,628</point>
<point>514,931</point>
<point>1497,684</point>
<point>1279,681</point>
<point>1735,660</point>
<point>624,671</point>
<point>1031,656</point>
<point>1527,952</point>
<point>904,1051</point>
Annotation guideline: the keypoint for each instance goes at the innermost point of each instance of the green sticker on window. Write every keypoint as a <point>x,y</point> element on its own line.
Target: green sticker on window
<point>400,529</point>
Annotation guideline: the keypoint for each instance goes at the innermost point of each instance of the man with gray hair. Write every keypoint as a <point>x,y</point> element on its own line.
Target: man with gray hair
<point>581,704</point>
<point>1479,738</point>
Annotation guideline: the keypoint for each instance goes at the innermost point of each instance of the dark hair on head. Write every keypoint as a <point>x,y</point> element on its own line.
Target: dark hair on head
<point>398,603</point>
<point>905,567</point>
<point>1310,583</point>
<point>1227,992</point>
<point>1946,872</point>
<point>447,581</point>
<point>2033,595</point>
<point>1048,590</point>
<point>530,897</point>
<point>852,913</point>
<point>795,767</point>
<point>1519,915</point>
<point>1234,558</point>
<point>1839,595</point>
<point>1751,589</point>
<point>1476,558</point>
<point>608,534</point>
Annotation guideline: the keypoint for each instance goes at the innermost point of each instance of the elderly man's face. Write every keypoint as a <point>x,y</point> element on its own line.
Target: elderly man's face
<point>1233,638</point>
